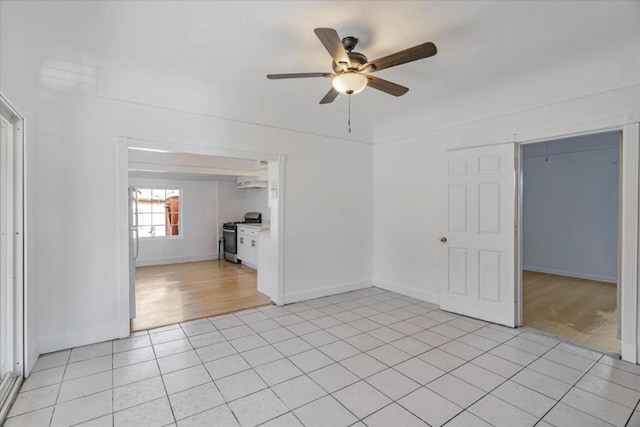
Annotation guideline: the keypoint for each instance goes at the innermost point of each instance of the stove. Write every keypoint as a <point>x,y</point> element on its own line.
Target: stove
<point>230,233</point>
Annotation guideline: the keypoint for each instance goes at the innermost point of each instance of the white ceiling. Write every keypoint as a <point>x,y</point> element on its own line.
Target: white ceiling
<point>212,57</point>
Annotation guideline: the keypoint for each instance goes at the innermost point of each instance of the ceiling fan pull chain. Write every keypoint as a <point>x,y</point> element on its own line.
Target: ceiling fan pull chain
<point>349,116</point>
<point>546,151</point>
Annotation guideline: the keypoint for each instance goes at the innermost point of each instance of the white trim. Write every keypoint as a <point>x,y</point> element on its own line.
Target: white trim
<point>180,234</point>
<point>176,260</point>
<point>279,297</point>
<point>177,147</point>
<point>12,395</point>
<point>430,297</point>
<point>575,129</point>
<point>13,170</point>
<point>518,300</point>
<point>629,263</point>
<point>326,291</point>
<point>570,274</point>
<point>22,364</point>
<point>629,245</point>
<point>122,254</point>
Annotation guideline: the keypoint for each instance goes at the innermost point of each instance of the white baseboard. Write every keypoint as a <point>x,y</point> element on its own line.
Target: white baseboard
<point>629,353</point>
<point>80,336</point>
<point>325,292</point>
<point>571,274</point>
<point>429,297</point>
<point>32,358</point>
<point>175,260</point>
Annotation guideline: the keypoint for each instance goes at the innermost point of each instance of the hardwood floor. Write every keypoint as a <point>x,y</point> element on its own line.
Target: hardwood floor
<point>168,294</point>
<point>578,309</point>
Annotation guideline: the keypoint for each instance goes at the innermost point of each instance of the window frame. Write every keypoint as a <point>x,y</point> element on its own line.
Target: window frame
<point>180,212</point>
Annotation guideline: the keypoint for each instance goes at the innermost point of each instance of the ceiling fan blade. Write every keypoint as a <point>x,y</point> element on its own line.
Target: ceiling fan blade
<point>298,75</point>
<point>331,41</point>
<point>421,51</point>
<point>387,86</point>
<point>330,96</point>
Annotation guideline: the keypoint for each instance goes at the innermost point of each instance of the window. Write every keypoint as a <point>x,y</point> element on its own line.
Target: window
<point>159,212</point>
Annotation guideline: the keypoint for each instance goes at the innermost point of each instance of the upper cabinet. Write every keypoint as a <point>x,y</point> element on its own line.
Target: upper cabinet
<point>251,182</point>
<point>258,181</point>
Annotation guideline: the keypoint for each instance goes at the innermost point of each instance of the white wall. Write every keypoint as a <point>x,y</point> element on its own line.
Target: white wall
<point>232,202</point>
<point>570,206</point>
<point>256,200</point>
<point>407,219</point>
<point>76,154</point>
<point>198,240</point>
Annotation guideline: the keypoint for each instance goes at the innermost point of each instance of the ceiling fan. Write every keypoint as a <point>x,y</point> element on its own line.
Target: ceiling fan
<point>351,70</point>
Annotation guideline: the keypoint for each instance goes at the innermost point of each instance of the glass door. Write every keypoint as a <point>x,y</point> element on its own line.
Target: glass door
<point>6,341</point>
<point>11,265</point>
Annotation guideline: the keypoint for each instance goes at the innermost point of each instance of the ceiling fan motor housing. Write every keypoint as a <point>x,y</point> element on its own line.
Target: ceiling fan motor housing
<point>357,59</point>
<point>349,43</point>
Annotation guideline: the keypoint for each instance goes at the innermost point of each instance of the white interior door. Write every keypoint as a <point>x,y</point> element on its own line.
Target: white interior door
<point>478,244</point>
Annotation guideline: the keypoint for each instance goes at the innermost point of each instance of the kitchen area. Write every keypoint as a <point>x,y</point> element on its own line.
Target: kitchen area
<point>200,239</point>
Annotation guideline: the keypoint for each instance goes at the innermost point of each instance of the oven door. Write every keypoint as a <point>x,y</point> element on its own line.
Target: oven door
<point>230,242</point>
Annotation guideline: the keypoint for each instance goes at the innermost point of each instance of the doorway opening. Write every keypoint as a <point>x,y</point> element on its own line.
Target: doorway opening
<point>204,232</point>
<point>570,245</point>
<point>12,334</point>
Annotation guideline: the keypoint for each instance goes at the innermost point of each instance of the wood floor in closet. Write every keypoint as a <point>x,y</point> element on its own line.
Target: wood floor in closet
<point>578,309</point>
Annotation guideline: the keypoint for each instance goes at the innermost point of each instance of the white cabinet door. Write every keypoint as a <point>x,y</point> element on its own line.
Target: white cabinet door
<point>253,250</point>
<point>478,251</point>
<point>243,246</point>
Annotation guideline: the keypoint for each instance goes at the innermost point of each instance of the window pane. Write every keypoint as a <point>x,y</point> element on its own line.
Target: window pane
<point>159,219</point>
<point>160,231</point>
<point>158,195</point>
<point>171,193</point>
<point>144,218</point>
<point>144,207</point>
<point>147,231</point>
<point>174,219</point>
<point>144,194</point>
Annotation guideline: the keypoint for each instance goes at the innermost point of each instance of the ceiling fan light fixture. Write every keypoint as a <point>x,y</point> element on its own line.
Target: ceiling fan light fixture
<point>349,83</point>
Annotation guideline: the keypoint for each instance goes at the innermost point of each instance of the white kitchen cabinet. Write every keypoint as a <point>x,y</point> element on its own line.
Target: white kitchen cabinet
<point>248,246</point>
<point>243,240</point>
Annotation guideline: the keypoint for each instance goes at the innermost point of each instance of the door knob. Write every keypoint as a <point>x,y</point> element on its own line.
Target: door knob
<point>443,239</point>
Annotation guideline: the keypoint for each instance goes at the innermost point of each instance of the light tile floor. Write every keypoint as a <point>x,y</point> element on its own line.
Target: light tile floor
<point>365,358</point>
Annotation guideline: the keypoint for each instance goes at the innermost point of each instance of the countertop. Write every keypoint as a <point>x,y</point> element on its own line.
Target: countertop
<point>265,226</point>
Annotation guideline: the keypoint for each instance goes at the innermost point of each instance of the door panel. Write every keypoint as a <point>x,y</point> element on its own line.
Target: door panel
<point>457,217</point>
<point>458,271</point>
<point>479,226</point>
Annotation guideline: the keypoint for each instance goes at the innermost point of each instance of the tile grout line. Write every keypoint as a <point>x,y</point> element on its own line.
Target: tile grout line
<point>55,404</point>
<point>340,339</point>
<point>470,361</point>
<point>635,408</point>
<point>164,386</point>
<point>571,388</point>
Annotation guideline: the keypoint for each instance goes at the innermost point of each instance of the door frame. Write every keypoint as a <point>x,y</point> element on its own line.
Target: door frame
<point>17,228</point>
<point>122,181</point>
<point>628,262</point>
